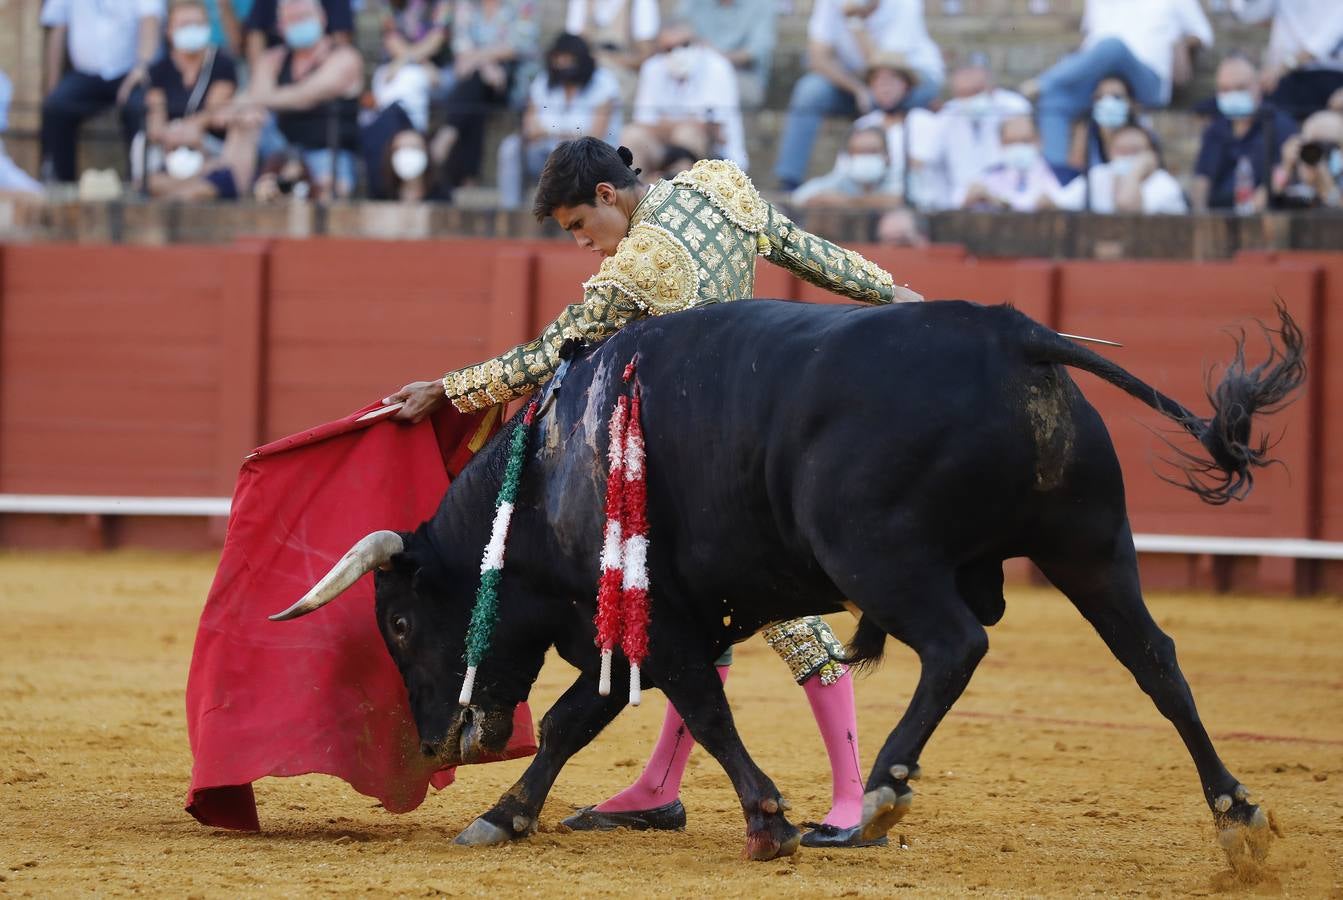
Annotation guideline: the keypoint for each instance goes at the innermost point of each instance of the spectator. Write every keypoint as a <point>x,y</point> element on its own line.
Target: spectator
<point>222,178</point>
<point>416,50</point>
<point>1303,64</point>
<point>1112,106</point>
<point>862,177</point>
<point>261,28</point>
<point>573,97</point>
<point>406,174</point>
<point>621,34</point>
<point>687,96</point>
<point>966,138</point>
<point>912,135</point>
<point>744,32</point>
<point>677,160</point>
<point>311,86</point>
<point>13,180</point>
<point>1147,42</point>
<point>1311,173</point>
<point>1133,181</point>
<point>188,88</point>
<point>1241,129</point>
<point>900,228</point>
<point>489,40</point>
<point>111,46</point>
<point>841,35</point>
<point>1021,181</point>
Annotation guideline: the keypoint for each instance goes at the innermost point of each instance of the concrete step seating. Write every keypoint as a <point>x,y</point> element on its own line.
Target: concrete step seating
<point>1019,43</point>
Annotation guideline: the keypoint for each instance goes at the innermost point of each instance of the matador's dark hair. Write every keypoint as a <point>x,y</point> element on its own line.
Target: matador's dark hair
<point>575,168</point>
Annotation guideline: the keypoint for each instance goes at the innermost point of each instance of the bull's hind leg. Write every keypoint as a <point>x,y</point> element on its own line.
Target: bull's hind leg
<point>1106,591</point>
<point>922,608</point>
<point>697,693</point>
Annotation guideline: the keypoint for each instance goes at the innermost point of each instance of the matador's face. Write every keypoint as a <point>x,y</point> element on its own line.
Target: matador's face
<point>599,226</point>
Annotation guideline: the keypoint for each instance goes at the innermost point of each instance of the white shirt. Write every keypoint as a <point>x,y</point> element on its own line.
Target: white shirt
<point>918,134</point>
<point>1020,191</point>
<point>968,140</point>
<point>896,26</point>
<point>644,19</point>
<point>1150,29</point>
<point>1161,194</point>
<point>103,34</point>
<point>566,117</point>
<point>1315,26</point>
<point>708,94</point>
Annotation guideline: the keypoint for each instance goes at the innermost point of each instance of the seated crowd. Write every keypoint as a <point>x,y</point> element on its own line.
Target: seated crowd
<point>292,113</point>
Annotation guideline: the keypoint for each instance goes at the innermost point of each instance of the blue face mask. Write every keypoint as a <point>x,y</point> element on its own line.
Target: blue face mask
<point>191,38</point>
<point>1236,104</point>
<point>303,34</point>
<point>1336,163</point>
<point>1110,111</point>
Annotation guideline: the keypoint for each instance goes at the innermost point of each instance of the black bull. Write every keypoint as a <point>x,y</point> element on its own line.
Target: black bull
<point>799,458</point>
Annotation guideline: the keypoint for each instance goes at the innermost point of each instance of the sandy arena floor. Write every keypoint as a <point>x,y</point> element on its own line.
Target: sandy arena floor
<point>1054,775</point>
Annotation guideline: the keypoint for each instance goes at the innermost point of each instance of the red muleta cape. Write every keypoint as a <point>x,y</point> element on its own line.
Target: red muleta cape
<point>318,694</point>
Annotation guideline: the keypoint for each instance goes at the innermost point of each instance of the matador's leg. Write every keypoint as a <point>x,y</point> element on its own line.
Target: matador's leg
<point>813,653</point>
<point>654,799</point>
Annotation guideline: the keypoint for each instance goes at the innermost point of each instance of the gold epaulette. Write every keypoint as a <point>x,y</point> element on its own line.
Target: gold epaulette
<point>651,267</point>
<point>730,190</point>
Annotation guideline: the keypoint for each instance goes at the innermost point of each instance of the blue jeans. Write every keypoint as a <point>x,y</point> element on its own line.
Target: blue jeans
<point>814,98</point>
<point>78,97</point>
<point>1066,89</point>
<point>321,162</point>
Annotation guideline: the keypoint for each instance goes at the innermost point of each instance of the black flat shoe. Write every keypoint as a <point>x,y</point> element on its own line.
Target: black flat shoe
<point>833,836</point>
<point>664,818</point>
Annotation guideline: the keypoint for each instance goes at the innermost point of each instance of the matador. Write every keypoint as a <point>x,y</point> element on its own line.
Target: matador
<point>669,246</point>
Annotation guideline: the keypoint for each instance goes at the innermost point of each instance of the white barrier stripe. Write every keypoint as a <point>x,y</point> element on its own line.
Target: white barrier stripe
<point>62,504</point>
<point>94,505</point>
<point>1293,548</point>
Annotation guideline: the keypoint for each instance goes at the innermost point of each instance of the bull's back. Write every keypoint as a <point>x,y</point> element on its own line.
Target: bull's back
<point>770,423</point>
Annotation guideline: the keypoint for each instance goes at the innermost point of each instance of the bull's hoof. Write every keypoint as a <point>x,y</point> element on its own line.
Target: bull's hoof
<point>482,833</point>
<point>1244,831</point>
<point>777,839</point>
<point>882,809</point>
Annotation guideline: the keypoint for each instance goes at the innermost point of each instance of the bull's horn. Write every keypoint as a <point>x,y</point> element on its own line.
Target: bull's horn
<point>370,553</point>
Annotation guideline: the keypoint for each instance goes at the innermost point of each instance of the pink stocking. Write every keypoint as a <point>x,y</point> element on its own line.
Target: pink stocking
<point>832,705</point>
<point>660,782</point>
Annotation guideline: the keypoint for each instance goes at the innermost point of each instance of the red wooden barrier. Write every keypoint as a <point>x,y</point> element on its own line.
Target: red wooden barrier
<point>151,371</point>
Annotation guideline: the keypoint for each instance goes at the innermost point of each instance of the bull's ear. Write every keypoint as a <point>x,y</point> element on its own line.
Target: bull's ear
<point>401,562</point>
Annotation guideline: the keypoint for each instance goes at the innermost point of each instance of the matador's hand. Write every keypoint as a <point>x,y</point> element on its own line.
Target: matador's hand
<point>420,398</point>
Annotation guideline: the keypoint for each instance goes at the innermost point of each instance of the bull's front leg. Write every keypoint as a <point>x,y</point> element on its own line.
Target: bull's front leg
<point>569,726</point>
<point>697,693</point>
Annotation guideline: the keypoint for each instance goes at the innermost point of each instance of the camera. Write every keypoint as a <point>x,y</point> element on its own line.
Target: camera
<point>1313,151</point>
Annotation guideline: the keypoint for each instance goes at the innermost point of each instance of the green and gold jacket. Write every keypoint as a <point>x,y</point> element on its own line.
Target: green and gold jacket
<point>692,240</point>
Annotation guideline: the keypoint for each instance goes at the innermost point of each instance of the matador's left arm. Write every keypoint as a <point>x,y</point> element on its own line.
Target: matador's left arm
<point>830,266</point>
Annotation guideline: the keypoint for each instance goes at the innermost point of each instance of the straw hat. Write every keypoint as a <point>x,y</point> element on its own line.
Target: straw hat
<point>897,62</point>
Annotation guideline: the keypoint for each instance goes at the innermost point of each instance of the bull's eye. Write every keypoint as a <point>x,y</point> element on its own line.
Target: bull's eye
<point>400,627</point>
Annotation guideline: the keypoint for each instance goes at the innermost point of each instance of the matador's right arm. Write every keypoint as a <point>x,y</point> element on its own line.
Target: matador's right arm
<point>650,274</point>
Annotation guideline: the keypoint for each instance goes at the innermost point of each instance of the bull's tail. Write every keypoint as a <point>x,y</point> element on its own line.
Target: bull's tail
<point>866,646</point>
<point>1224,471</point>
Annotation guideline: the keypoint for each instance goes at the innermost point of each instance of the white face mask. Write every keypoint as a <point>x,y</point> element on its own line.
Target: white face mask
<point>183,162</point>
<point>1122,165</point>
<point>409,163</point>
<point>1020,157</point>
<point>866,168</point>
<point>191,38</point>
<point>681,62</point>
<point>977,106</point>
